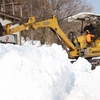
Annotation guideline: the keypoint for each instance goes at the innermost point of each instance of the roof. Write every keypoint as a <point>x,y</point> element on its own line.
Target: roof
<point>84,16</point>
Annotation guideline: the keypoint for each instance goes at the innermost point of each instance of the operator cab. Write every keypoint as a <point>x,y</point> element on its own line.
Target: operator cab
<point>84,18</point>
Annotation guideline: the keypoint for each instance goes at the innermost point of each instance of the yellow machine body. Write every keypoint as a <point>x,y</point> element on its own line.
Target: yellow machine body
<point>81,40</point>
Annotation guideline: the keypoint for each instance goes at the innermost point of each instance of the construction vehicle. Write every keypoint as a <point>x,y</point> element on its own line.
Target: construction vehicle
<point>75,49</point>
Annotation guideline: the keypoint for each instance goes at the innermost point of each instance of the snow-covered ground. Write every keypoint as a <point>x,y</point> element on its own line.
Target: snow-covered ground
<point>35,72</point>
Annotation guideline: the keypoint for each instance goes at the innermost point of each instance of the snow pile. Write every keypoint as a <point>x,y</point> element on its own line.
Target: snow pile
<point>34,72</point>
<point>86,85</point>
<point>82,65</point>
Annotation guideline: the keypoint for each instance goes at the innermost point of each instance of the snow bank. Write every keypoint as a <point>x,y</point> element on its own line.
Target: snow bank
<point>34,73</point>
<point>87,82</point>
<point>82,65</point>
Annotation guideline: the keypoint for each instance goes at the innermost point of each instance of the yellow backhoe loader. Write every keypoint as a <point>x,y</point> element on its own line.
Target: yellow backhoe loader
<point>77,48</point>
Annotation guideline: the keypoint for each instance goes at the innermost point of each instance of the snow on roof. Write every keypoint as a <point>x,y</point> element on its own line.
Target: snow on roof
<point>84,16</point>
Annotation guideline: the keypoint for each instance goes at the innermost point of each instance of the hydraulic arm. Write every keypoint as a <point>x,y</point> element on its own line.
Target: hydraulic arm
<point>53,24</point>
<point>50,23</point>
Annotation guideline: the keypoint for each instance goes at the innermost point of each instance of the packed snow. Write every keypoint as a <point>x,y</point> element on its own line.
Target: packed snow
<point>42,72</point>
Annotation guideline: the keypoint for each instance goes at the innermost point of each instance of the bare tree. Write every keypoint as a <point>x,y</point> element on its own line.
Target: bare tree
<point>46,8</point>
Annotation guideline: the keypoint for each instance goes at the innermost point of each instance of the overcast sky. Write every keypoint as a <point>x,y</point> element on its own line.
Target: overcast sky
<point>96,5</point>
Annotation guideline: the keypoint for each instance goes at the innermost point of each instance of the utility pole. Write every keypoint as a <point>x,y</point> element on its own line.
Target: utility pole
<point>21,13</point>
<point>13,8</point>
<point>31,7</point>
<point>3,5</point>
